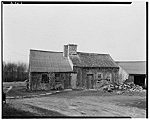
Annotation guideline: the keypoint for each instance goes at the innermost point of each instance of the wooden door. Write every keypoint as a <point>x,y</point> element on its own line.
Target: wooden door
<point>67,81</point>
<point>73,80</point>
<point>90,81</point>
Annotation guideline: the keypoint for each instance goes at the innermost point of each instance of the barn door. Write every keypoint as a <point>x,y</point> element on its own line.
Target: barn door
<point>90,81</point>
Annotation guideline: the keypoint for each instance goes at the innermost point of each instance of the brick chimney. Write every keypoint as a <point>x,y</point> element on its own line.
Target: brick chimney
<point>70,49</point>
<point>65,54</point>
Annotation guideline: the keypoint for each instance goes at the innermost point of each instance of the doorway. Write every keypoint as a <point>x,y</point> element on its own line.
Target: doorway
<point>89,81</point>
<point>139,80</point>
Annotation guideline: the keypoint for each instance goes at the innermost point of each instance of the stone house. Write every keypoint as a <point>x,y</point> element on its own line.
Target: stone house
<point>70,69</point>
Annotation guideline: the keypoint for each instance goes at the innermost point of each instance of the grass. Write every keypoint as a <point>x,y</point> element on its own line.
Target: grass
<point>45,112</point>
<point>11,112</point>
<point>7,84</point>
<point>19,89</point>
<point>76,93</point>
<point>139,103</point>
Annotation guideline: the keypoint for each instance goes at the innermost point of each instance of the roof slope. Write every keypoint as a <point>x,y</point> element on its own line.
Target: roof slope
<point>46,61</point>
<point>92,60</point>
<point>133,67</point>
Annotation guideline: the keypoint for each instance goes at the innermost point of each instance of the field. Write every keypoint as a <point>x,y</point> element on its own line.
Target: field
<point>76,103</point>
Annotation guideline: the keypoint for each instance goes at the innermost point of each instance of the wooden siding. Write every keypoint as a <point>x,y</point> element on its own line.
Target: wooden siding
<point>82,75</point>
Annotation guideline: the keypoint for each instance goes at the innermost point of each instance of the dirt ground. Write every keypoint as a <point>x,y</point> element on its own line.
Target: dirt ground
<point>76,103</point>
<point>86,103</point>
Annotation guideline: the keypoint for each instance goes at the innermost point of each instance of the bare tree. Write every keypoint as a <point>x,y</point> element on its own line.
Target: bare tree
<point>15,71</point>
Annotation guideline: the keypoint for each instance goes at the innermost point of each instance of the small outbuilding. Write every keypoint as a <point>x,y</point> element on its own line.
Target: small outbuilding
<point>133,71</point>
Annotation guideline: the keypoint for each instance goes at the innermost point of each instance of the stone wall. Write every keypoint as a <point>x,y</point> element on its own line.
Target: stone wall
<point>81,78</point>
<point>37,84</point>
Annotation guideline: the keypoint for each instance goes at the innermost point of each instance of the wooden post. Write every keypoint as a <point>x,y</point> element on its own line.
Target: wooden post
<point>30,81</point>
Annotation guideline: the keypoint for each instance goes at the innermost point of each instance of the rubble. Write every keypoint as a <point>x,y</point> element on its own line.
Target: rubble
<point>120,88</point>
<point>119,92</point>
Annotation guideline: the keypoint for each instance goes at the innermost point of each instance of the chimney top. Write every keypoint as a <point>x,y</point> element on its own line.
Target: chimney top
<point>72,45</point>
<point>72,49</point>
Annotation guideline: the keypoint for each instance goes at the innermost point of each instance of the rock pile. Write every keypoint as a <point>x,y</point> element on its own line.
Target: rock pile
<point>119,88</point>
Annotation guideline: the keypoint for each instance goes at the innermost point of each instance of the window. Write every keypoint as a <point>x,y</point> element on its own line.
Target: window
<point>45,78</point>
<point>57,77</point>
<point>99,75</point>
<point>109,77</point>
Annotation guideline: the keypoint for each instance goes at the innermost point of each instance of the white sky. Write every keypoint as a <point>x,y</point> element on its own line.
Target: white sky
<point>118,30</point>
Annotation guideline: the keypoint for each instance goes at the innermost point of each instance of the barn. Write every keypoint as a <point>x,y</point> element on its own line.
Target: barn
<point>70,69</point>
<point>133,71</point>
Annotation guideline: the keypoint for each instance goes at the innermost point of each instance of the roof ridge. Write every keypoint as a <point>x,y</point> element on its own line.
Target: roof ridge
<point>62,52</point>
<point>45,51</point>
<point>94,53</point>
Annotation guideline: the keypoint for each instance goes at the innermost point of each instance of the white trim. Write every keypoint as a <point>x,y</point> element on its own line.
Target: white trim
<point>70,62</point>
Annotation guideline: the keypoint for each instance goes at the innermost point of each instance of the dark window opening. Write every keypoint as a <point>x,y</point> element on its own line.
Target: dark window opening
<point>57,75</point>
<point>45,78</point>
<point>99,76</point>
<point>58,78</point>
<point>108,77</point>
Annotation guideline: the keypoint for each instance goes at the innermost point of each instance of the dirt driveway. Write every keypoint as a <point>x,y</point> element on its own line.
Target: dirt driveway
<point>87,103</point>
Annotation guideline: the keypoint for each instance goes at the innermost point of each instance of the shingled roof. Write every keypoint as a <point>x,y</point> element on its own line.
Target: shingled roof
<point>92,60</point>
<point>47,61</point>
<point>133,67</point>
